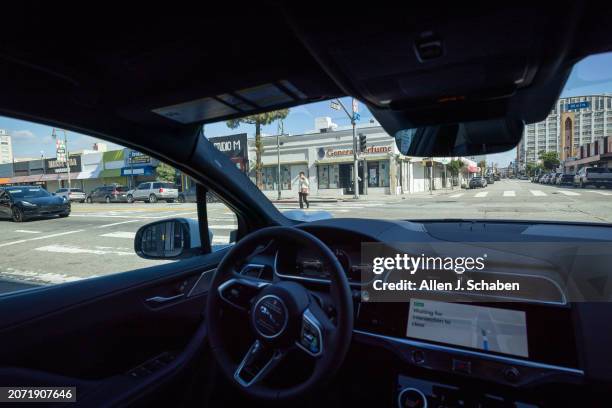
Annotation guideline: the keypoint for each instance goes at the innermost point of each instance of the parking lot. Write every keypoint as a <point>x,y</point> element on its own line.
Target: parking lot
<point>97,239</point>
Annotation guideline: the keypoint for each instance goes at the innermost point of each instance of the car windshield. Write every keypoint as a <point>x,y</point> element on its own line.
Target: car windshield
<point>26,192</point>
<point>334,157</point>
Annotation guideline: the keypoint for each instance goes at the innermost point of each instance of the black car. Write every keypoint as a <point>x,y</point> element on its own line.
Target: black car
<point>21,203</point>
<point>477,182</point>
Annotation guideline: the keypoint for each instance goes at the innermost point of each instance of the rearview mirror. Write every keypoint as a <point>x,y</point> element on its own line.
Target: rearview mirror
<point>460,139</point>
<point>174,238</point>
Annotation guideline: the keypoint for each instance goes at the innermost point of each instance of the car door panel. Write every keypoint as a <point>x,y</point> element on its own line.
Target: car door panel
<point>101,328</point>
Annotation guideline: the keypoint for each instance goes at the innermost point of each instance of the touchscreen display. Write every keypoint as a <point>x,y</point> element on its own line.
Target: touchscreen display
<point>478,327</point>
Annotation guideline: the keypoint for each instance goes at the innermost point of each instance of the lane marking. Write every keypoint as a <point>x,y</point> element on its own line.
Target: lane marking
<point>116,223</point>
<point>456,195</point>
<point>227,227</point>
<point>481,194</point>
<point>538,193</point>
<point>69,249</point>
<point>21,241</point>
<point>28,231</point>
<point>120,234</point>
<point>601,192</point>
<point>569,193</point>
<point>509,193</point>
<point>38,277</point>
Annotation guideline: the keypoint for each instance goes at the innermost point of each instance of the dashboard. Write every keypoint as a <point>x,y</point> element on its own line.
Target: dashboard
<point>537,338</point>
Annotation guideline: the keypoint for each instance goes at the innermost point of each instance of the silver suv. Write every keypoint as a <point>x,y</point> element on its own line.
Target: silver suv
<point>152,191</point>
<point>75,194</point>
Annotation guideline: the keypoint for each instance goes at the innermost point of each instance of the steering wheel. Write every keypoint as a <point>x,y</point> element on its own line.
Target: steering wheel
<point>284,317</point>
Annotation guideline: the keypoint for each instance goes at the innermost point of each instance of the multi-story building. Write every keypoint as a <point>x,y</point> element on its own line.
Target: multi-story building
<point>573,122</point>
<point>6,147</point>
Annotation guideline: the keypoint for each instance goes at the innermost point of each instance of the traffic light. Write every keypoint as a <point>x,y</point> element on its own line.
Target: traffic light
<point>362,142</point>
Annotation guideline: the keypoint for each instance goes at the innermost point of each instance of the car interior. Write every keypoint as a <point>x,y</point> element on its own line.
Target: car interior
<point>279,317</point>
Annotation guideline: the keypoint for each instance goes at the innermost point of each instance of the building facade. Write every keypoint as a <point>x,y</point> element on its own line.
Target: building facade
<point>6,147</point>
<point>573,122</point>
<point>326,158</point>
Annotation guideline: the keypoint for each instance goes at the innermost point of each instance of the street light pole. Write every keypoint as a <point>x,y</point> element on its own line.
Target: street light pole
<point>352,117</point>
<point>281,130</point>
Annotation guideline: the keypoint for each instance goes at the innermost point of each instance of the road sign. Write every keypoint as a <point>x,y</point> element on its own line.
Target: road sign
<point>335,105</point>
<point>578,105</point>
<point>356,116</point>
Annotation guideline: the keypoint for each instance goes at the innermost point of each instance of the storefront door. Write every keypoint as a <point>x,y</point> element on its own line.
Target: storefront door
<point>346,177</point>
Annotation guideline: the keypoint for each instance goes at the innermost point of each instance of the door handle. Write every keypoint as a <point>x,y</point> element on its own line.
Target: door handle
<point>160,300</point>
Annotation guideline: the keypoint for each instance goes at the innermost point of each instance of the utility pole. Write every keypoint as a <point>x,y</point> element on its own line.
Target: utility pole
<point>66,154</point>
<point>281,129</point>
<point>353,117</point>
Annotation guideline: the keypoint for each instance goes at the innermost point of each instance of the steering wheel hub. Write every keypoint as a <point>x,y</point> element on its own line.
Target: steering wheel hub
<point>270,316</point>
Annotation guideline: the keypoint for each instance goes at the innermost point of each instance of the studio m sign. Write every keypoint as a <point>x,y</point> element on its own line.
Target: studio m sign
<point>233,146</point>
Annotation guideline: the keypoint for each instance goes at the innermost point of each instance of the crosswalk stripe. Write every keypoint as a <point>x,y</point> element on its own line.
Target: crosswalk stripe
<point>601,192</point>
<point>120,234</point>
<point>482,194</point>
<point>569,193</point>
<point>456,195</point>
<point>538,193</point>
<point>509,193</point>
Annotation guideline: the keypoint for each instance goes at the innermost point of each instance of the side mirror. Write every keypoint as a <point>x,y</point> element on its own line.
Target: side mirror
<point>175,238</point>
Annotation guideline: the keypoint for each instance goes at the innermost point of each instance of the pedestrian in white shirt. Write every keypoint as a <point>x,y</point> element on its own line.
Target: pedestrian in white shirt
<point>304,189</point>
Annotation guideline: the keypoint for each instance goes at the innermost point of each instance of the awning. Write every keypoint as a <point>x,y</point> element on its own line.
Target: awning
<point>107,173</point>
<point>92,174</point>
<point>58,176</point>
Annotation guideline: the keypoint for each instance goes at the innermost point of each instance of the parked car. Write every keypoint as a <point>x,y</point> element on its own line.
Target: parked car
<point>497,177</point>
<point>594,176</point>
<point>153,191</point>
<point>555,178</point>
<point>75,194</point>
<point>188,196</point>
<point>477,182</point>
<point>566,179</point>
<point>108,194</point>
<point>490,179</point>
<point>21,203</point>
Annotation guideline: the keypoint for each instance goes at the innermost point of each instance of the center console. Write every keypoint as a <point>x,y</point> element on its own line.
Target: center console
<point>511,345</point>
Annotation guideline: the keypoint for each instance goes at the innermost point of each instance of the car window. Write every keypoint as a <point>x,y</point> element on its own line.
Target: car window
<point>27,192</point>
<point>66,241</point>
<point>157,185</point>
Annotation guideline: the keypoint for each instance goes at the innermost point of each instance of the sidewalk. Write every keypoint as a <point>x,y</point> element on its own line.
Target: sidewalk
<point>363,198</point>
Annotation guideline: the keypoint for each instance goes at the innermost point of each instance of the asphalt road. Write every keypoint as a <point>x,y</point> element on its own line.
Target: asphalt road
<point>97,239</point>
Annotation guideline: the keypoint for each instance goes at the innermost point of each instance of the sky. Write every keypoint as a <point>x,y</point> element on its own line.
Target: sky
<point>593,75</point>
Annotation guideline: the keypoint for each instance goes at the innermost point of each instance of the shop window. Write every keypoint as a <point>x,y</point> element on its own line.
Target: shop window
<point>323,176</point>
<point>270,178</point>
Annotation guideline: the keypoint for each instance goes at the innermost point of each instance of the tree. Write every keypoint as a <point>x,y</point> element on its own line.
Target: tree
<point>258,120</point>
<point>483,166</point>
<point>550,160</point>
<point>455,166</point>
<point>166,173</point>
<point>532,169</point>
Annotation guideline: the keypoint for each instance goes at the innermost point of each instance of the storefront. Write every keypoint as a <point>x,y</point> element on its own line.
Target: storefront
<point>327,160</point>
